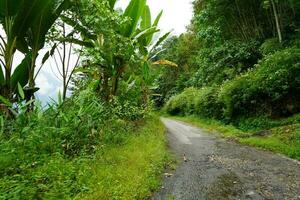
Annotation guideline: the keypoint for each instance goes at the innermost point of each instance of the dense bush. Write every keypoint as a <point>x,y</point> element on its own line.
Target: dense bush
<point>224,62</point>
<point>271,89</point>
<point>202,102</point>
<point>206,103</point>
<point>270,46</point>
<point>183,103</point>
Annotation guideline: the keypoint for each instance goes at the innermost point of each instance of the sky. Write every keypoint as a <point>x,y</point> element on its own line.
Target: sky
<point>176,16</point>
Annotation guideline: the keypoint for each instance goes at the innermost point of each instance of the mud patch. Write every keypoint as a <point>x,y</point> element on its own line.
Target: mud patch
<point>227,186</point>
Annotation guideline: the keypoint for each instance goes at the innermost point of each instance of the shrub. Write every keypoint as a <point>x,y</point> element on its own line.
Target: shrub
<point>270,46</point>
<point>206,103</point>
<point>237,96</point>
<point>201,102</point>
<point>272,87</point>
<point>224,62</point>
<point>183,103</point>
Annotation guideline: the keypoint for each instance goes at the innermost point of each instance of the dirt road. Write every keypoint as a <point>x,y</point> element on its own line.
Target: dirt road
<point>220,169</point>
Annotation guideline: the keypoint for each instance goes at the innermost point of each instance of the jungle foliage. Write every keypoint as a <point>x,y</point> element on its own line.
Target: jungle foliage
<point>238,62</point>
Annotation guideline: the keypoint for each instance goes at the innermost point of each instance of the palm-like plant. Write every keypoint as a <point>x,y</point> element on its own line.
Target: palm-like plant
<point>140,30</point>
<point>8,44</point>
<point>136,35</point>
<point>26,24</point>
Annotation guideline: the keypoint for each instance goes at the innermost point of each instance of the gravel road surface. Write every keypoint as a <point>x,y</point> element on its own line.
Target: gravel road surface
<point>213,168</point>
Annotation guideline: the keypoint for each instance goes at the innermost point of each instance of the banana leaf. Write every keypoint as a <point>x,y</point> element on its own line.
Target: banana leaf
<point>156,21</point>
<point>9,8</point>
<point>42,24</point>
<point>133,11</point>
<point>28,14</point>
<point>21,73</point>
<point>112,4</point>
<point>2,79</point>
<point>146,18</point>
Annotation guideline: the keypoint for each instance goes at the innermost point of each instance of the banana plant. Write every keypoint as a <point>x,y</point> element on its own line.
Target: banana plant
<point>26,24</point>
<point>139,30</point>
<point>8,45</point>
<point>144,38</point>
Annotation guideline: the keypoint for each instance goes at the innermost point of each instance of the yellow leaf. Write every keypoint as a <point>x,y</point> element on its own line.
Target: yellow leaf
<point>165,62</point>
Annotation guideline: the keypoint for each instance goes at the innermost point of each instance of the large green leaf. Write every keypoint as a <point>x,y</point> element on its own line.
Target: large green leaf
<point>22,45</point>
<point>134,12</point>
<point>145,33</point>
<point>5,101</point>
<point>146,18</point>
<point>9,8</point>
<point>157,19</point>
<point>42,23</point>
<point>21,73</point>
<point>146,23</point>
<point>39,27</point>
<point>146,71</point>
<point>28,13</point>
<point>84,31</point>
<point>145,36</point>
<point>160,40</point>
<point>21,91</point>
<point>2,79</point>
<point>112,3</point>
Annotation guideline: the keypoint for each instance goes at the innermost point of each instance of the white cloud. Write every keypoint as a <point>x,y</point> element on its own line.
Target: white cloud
<point>43,81</point>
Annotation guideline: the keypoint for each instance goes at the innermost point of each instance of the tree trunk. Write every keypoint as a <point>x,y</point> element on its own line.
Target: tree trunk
<point>277,21</point>
<point>104,89</point>
<point>115,83</point>
<point>64,72</point>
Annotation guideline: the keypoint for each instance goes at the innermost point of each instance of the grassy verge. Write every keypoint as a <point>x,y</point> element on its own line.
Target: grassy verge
<point>126,164</point>
<point>130,171</point>
<point>284,140</point>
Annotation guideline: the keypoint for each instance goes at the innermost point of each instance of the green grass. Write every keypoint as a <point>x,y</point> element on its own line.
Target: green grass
<point>131,171</point>
<point>284,139</point>
<point>274,144</point>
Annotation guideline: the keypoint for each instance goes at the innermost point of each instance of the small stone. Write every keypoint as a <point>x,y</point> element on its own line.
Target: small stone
<point>184,158</point>
<point>234,182</point>
<point>250,193</point>
<point>168,175</point>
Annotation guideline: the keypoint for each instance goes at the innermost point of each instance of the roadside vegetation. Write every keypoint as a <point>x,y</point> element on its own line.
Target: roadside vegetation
<point>99,138</point>
<point>238,74</point>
